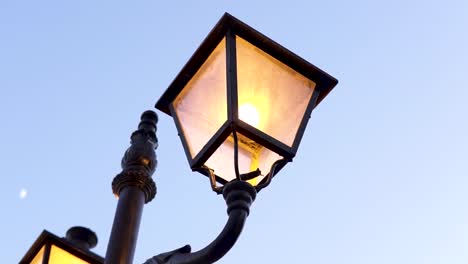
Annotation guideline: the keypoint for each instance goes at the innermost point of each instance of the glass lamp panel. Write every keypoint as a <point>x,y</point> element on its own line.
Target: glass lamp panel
<point>272,97</point>
<point>38,259</point>
<point>58,255</point>
<point>201,107</point>
<point>251,156</point>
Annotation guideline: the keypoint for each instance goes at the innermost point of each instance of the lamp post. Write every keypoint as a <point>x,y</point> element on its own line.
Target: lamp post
<point>241,105</point>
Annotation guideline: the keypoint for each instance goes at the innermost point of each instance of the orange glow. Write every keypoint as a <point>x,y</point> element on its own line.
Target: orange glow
<point>60,256</point>
<point>38,259</point>
<point>249,114</point>
<point>279,94</point>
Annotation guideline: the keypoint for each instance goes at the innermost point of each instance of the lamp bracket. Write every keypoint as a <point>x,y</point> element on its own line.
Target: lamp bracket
<point>239,196</point>
<point>273,170</point>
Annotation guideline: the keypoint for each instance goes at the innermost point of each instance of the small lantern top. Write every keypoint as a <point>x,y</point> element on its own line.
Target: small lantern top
<point>51,249</point>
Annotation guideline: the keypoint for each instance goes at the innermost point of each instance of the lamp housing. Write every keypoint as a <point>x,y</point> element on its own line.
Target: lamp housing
<point>241,85</point>
<point>51,249</point>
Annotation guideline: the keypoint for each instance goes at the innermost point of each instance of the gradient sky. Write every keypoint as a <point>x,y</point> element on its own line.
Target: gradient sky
<point>380,176</point>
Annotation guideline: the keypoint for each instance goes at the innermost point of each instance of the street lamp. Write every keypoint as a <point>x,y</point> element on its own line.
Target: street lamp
<point>241,105</point>
<point>74,248</point>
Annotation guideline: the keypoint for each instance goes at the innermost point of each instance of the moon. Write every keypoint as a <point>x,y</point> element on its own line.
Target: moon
<point>23,193</point>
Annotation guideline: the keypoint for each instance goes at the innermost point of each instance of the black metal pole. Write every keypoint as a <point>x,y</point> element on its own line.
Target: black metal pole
<point>124,234</point>
<point>134,187</point>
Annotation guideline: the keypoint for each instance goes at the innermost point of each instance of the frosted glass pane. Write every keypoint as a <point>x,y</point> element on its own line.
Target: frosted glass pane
<point>251,157</point>
<point>202,106</point>
<point>58,255</point>
<point>272,96</point>
<point>39,257</point>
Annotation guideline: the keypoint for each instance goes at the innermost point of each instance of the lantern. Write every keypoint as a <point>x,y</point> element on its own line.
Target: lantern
<point>241,104</point>
<point>73,249</point>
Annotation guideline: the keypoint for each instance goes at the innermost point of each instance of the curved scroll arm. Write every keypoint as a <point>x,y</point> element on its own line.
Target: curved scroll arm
<point>273,171</point>
<point>239,196</point>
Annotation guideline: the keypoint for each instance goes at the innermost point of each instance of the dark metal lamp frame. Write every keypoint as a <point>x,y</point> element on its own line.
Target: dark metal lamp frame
<point>134,184</point>
<point>228,28</point>
<point>48,239</point>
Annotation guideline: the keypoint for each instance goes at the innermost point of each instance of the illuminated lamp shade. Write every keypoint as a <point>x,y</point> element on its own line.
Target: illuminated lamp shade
<point>74,249</point>
<point>242,87</point>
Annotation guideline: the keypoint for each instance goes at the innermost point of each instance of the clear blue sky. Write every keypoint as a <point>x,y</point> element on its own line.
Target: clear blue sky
<point>380,176</point>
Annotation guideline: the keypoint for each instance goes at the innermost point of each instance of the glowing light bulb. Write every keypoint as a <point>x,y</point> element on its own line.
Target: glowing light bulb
<point>249,114</point>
